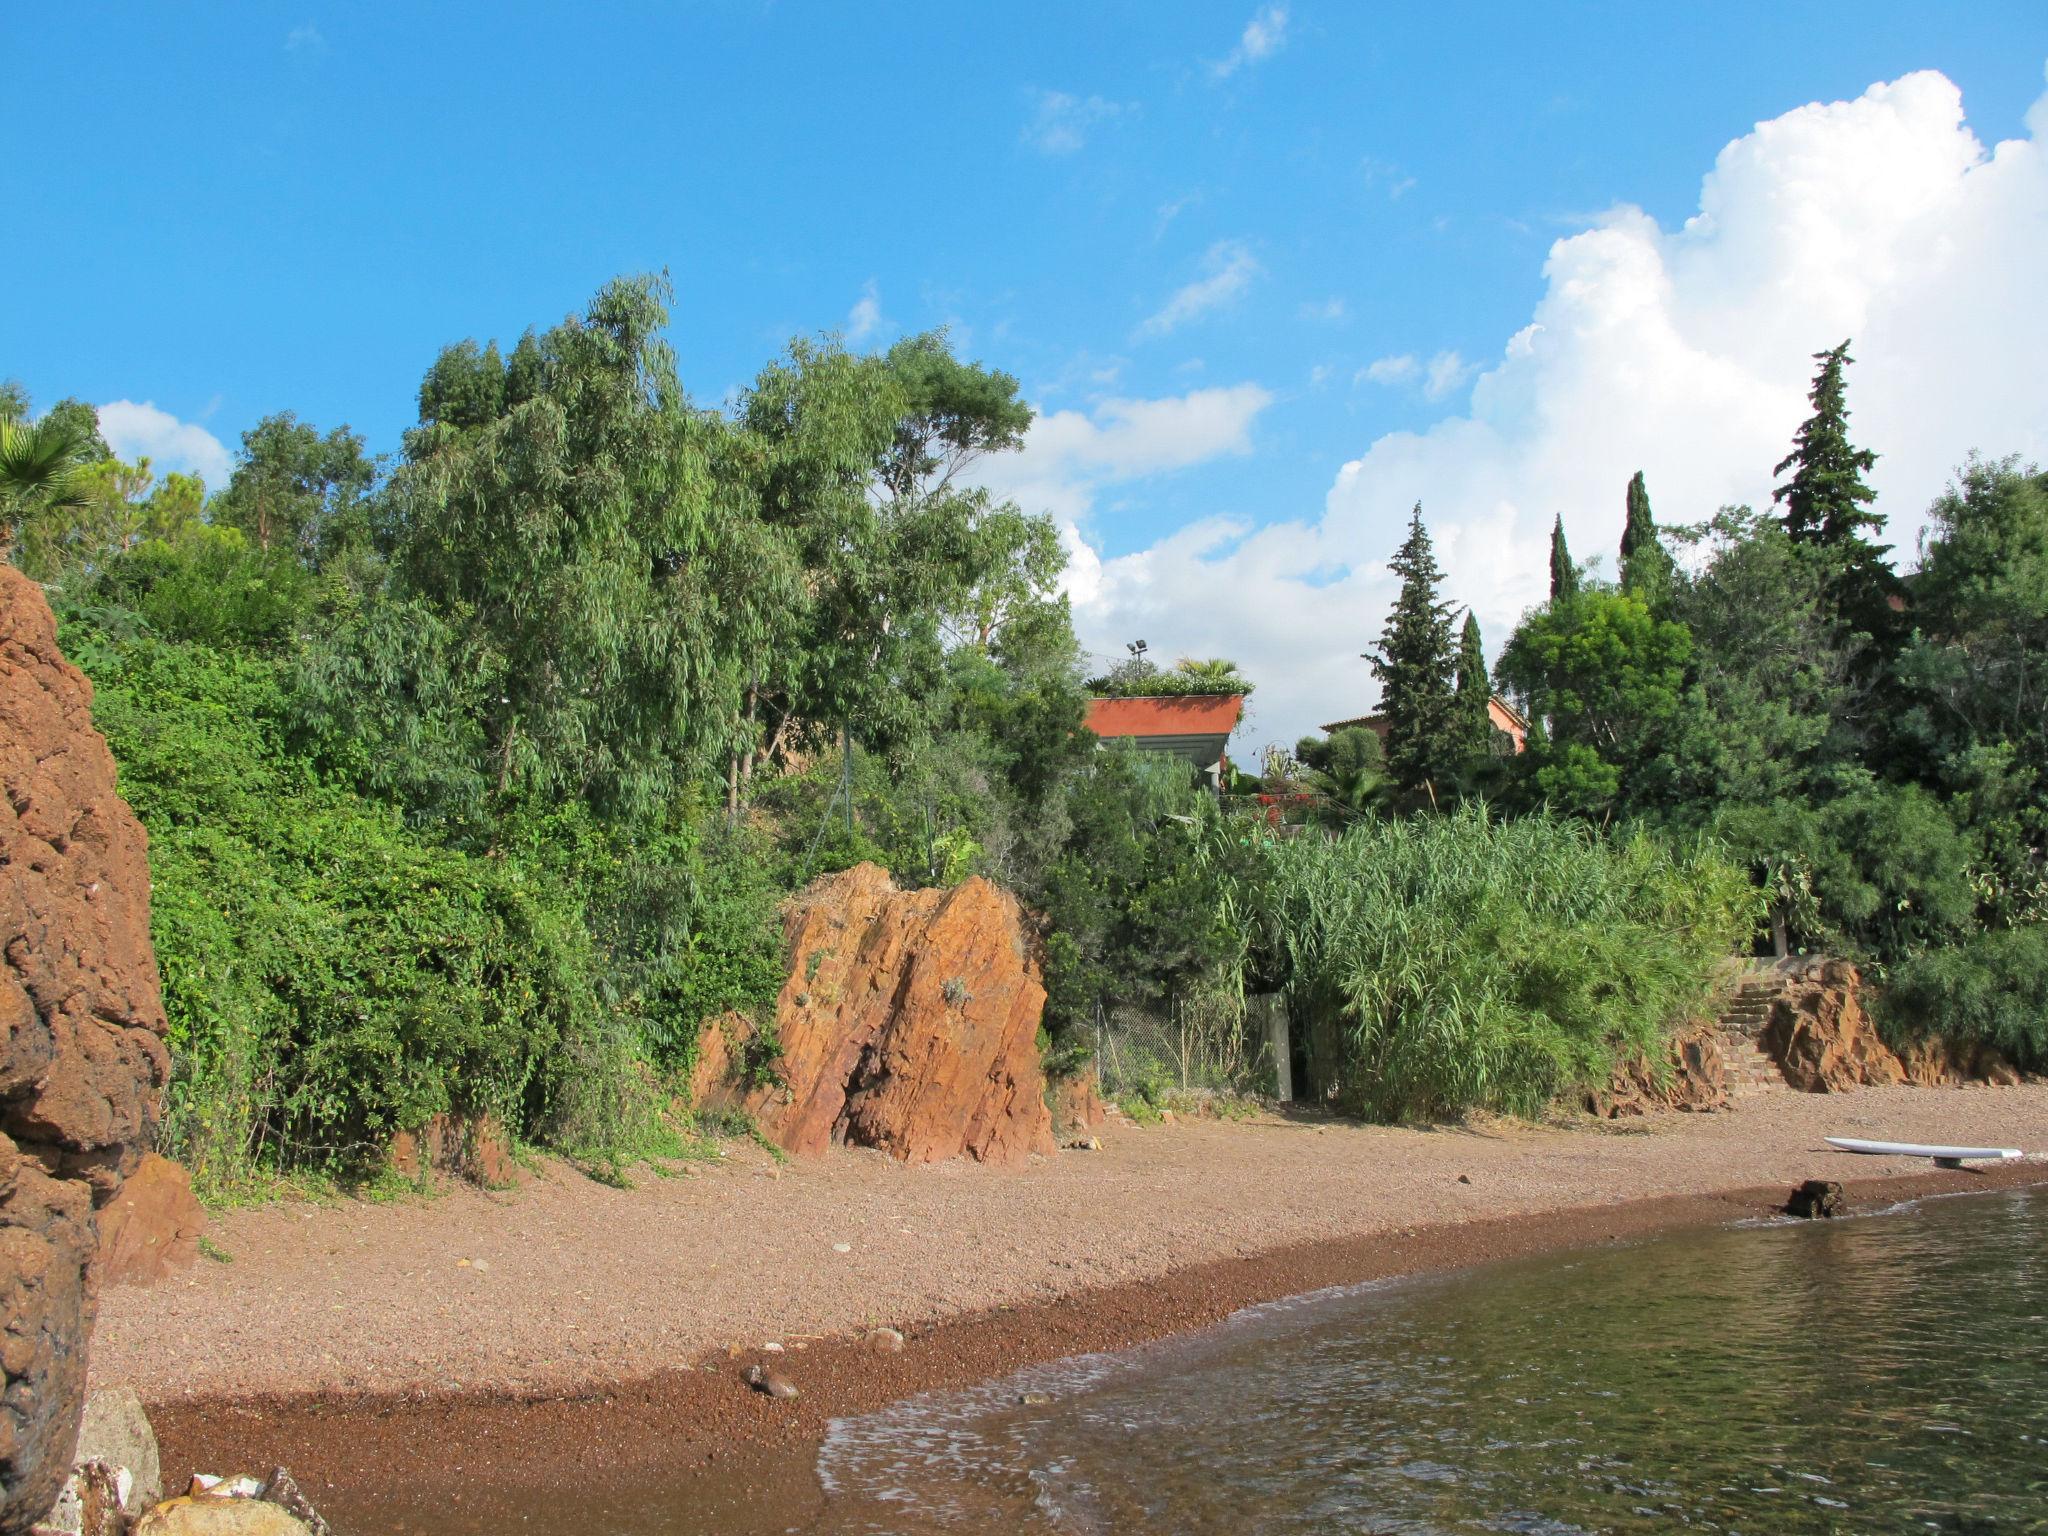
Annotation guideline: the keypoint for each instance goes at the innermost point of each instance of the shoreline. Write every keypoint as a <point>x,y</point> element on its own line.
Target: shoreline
<point>480,1459</point>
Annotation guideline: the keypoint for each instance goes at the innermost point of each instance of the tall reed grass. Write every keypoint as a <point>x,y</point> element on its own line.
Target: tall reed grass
<point>1446,963</point>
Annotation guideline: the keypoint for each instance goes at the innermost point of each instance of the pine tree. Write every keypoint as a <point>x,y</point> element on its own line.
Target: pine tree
<point>1827,503</point>
<point>1826,500</point>
<point>1564,576</point>
<point>1475,690</point>
<point>1646,565</point>
<point>1415,669</point>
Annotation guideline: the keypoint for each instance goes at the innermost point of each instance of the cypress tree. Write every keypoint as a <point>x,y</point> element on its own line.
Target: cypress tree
<point>1646,565</point>
<point>1827,506</point>
<point>1475,690</point>
<point>1415,668</point>
<point>1564,576</point>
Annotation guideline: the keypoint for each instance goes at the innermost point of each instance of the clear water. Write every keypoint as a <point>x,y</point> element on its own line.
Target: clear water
<point>1882,1374</point>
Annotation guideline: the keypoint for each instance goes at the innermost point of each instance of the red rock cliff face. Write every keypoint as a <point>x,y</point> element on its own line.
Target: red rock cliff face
<point>82,1060</point>
<point>909,1022</point>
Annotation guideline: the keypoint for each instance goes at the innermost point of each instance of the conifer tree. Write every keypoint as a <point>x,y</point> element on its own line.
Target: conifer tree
<point>1564,576</point>
<point>1827,507</point>
<point>1475,690</point>
<point>1826,501</point>
<point>1646,565</point>
<point>1415,668</point>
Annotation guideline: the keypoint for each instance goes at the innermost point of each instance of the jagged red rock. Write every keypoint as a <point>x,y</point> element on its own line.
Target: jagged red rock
<point>909,1022</point>
<point>1820,1034</point>
<point>1695,1078</point>
<point>82,1058</point>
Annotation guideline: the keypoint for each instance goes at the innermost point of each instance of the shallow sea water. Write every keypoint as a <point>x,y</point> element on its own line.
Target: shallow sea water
<point>1887,1373</point>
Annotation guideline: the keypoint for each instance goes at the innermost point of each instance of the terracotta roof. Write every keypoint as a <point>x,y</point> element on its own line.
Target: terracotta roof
<point>1192,714</point>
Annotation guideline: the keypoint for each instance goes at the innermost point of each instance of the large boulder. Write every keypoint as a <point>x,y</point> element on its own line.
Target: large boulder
<point>82,1057</point>
<point>1934,1062</point>
<point>909,1022</point>
<point>1820,1034</point>
<point>152,1226</point>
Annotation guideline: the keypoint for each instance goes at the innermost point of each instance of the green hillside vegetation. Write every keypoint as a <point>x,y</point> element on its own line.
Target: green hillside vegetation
<point>474,776</point>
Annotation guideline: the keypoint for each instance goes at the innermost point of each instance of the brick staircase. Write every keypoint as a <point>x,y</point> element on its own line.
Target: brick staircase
<point>1751,1071</point>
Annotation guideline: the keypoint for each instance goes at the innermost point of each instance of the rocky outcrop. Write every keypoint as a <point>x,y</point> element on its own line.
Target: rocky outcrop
<point>1932,1062</point>
<point>82,1058</point>
<point>1695,1078</point>
<point>909,1022</point>
<point>1820,1034</point>
<point>1076,1104</point>
<point>472,1147</point>
<point>151,1227</point>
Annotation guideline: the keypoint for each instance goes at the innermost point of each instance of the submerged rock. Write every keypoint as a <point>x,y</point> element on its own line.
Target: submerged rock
<point>1817,1198</point>
<point>909,1022</point>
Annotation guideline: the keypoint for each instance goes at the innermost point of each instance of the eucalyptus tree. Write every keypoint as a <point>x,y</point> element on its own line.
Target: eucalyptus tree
<point>560,518</point>
<point>296,489</point>
<point>859,468</point>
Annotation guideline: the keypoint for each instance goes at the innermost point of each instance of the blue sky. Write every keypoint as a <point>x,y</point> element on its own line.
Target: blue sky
<point>1322,224</point>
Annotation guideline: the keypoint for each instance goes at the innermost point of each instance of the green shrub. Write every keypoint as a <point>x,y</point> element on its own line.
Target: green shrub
<point>1991,989</point>
<point>1447,963</point>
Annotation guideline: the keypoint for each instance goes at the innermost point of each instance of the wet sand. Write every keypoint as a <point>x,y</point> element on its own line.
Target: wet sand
<point>599,1344</point>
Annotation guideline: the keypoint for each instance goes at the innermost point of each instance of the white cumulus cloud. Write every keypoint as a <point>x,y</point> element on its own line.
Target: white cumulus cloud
<point>1683,352</point>
<point>137,431</point>
<point>1070,457</point>
<point>1229,268</point>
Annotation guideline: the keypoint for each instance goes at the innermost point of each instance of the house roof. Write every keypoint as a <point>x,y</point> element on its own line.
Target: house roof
<point>1521,721</point>
<point>1184,714</point>
<point>1195,726</point>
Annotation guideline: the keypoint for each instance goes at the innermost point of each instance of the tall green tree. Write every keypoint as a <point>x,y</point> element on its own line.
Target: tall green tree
<point>596,596</point>
<point>1646,565</point>
<point>1564,576</point>
<point>295,489</point>
<point>1475,690</point>
<point>1416,670</point>
<point>1827,504</point>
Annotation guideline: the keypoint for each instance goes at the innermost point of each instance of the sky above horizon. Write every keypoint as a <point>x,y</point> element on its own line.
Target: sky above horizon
<point>1269,273</point>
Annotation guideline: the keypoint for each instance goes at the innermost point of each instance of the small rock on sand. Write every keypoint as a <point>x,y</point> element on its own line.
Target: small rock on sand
<point>769,1383</point>
<point>888,1340</point>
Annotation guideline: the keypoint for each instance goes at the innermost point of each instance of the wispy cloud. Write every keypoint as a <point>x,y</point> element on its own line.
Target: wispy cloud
<point>304,37</point>
<point>1386,176</point>
<point>1169,211</point>
<point>1060,122</point>
<point>1229,269</point>
<point>1263,36</point>
<point>1438,377</point>
<point>1330,311</point>
<point>865,318</point>
<point>1397,369</point>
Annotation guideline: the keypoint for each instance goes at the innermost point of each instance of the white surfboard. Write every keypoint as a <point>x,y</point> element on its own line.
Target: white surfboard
<point>1944,1157</point>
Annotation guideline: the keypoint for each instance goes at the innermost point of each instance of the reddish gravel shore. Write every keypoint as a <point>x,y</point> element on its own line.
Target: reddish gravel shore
<point>594,1330</point>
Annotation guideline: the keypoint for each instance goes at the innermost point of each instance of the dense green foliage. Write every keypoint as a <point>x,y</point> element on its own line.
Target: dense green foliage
<point>474,778</point>
<point>1458,962</point>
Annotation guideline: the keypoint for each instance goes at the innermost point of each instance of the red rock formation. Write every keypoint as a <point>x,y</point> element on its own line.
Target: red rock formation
<point>82,1060</point>
<point>1936,1063</point>
<point>1820,1035</point>
<point>909,1022</point>
<point>151,1226</point>
<point>1695,1079</point>
<point>1076,1104</point>
<point>474,1148</point>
